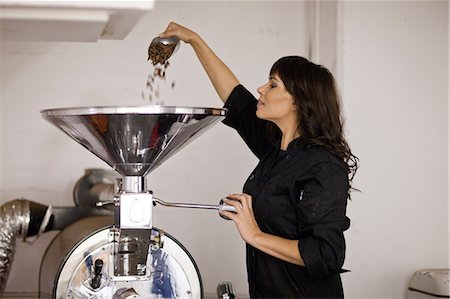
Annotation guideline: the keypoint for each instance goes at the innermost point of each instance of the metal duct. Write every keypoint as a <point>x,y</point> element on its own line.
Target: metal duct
<point>19,217</point>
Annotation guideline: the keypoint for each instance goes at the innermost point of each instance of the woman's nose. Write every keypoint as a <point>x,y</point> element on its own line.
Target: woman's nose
<point>260,90</point>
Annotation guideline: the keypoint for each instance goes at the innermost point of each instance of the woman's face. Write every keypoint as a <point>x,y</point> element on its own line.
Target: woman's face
<point>275,103</point>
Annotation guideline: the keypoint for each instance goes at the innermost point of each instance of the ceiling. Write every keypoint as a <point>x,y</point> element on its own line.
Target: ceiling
<point>74,21</point>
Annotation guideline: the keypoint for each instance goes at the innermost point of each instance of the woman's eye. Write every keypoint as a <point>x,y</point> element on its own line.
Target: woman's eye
<point>272,85</point>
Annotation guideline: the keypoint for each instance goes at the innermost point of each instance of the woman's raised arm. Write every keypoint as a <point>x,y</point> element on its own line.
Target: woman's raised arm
<point>222,78</point>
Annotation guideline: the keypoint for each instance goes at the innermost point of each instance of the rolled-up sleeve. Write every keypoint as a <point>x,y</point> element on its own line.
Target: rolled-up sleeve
<point>240,102</point>
<point>321,214</point>
<point>241,115</point>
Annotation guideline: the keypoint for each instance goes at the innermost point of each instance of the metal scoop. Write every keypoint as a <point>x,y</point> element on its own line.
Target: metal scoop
<point>161,49</point>
<point>166,40</point>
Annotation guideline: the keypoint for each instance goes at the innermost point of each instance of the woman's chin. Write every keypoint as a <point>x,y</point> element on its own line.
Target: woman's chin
<point>259,114</point>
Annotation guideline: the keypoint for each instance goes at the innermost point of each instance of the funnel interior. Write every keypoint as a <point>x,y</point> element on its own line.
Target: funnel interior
<point>134,140</point>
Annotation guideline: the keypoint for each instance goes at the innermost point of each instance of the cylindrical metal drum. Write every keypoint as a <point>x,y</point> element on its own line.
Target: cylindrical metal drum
<point>67,268</point>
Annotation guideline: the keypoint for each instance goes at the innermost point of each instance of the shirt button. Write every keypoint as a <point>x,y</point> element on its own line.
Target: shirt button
<point>288,157</point>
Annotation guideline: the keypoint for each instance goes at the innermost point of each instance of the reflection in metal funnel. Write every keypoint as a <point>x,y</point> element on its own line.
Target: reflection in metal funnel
<point>134,140</point>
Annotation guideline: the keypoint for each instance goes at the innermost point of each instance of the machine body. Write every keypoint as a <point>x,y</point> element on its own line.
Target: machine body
<point>130,258</point>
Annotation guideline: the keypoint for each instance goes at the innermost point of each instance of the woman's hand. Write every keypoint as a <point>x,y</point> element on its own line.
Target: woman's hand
<point>244,217</point>
<point>249,230</point>
<point>183,33</point>
<point>221,76</point>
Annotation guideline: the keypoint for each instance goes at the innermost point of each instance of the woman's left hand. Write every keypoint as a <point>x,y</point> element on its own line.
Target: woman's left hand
<point>249,230</point>
<point>244,217</point>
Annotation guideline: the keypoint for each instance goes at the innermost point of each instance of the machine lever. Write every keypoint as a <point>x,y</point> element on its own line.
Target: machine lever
<point>185,205</point>
<point>220,207</point>
<point>104,203</point>
<point>97,279</point>
<point>225,290</point>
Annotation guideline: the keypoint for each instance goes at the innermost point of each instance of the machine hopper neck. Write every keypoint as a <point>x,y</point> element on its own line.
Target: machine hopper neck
<point>133,184</point>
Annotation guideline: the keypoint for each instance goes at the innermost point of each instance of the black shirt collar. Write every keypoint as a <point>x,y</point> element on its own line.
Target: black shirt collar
<point>297,143</point>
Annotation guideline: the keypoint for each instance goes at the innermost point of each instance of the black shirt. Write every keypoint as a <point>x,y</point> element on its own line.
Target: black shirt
<point>298,194</point>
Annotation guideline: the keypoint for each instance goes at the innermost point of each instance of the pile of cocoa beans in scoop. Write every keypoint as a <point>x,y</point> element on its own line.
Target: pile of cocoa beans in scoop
<point>160,53</point>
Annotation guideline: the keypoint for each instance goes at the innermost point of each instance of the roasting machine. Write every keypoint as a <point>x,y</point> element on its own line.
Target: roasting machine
<point>108,246</point>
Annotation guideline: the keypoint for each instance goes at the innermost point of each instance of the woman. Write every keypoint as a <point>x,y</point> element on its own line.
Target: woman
<point>291,213</point>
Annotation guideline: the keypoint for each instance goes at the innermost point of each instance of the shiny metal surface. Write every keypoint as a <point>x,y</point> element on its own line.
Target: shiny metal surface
<point>96,185</point>
<point>185,205</point>
<point>131,258</point>
<point>16,218</point>
<point>167,40</point>
<point>225,290</point>
<point>126,294</point>
<point>174,273</point>
<point>151,109</point>
<point>134,184</point>
<point>222,206</point>
<point>134,140</point>
<point>61,246</point>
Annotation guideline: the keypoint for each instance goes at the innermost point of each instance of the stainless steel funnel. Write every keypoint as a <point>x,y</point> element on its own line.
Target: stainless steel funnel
<point>134,140</point>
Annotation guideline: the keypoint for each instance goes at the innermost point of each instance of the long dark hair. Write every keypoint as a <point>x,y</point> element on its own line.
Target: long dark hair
<point>319,113</point>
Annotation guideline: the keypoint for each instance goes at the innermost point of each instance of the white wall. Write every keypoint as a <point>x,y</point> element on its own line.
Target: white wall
<point>1,130</point>
<point>394,66</point>
<point>42,164</point>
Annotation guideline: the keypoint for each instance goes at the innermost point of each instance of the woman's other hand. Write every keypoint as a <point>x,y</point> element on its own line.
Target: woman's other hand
<point>243,217</point>
<point>249,230</point>
<point>183,33</point>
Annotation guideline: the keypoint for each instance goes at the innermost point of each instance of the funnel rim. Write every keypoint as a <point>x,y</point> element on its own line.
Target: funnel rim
<point>147,109</point>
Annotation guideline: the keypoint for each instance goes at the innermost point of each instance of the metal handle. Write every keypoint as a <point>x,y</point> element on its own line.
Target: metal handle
<point>185,205</point>
<point>225,290</point>
<point>106,202</point>
<point>224,207</point>
<point>220,207</point>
